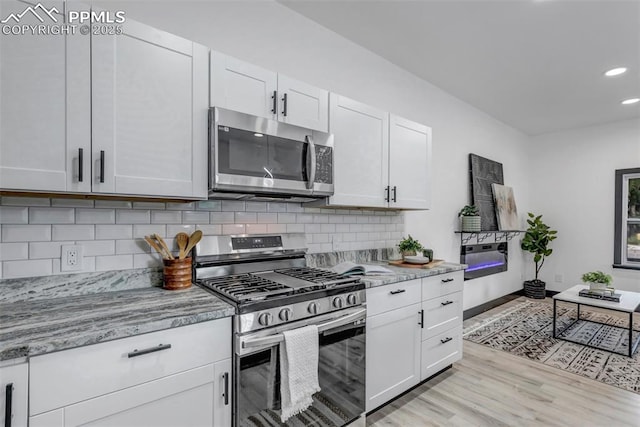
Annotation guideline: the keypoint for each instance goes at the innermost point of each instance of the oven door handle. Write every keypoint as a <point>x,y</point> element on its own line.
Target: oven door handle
<point>278,338</point>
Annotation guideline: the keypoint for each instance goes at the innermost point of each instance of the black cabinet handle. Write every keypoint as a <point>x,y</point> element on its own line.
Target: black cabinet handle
<point>447,280</point>
<point>225,378</point>
<point>421,322</point>
<point>8,405</point>
<point>101,165</point>
<point>446,340</point>
<point>80,164</point>
<point>274,108</point>
<point>398,291</point>
<point>284,106</point>
<point>136,353</point>
<point>446,302</point>
<point>395,193</point>
<point>386,193</point>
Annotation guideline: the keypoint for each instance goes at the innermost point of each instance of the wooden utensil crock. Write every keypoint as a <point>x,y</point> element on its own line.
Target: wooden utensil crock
<point>177,273</point>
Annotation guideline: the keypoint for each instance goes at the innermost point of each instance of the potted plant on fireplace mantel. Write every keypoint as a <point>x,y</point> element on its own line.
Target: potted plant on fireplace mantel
<point>536,240</point>
<point>469,219</point>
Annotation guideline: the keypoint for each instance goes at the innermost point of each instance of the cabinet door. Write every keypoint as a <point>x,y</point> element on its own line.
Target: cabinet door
<point>306,106</point>
<point>44,106</point>
<point>184,399</point>
<point>361,162</point>
<point>149,116</point>
<point>240,86</point>
<point>409,164</point>
<point>14,381</point>
<point>222,396</point>
<point>393,354</point>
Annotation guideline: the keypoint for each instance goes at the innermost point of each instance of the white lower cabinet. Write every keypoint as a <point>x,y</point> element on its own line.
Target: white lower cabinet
<point>180,376</point>
<point>414,330</point>
<point>14,380</point>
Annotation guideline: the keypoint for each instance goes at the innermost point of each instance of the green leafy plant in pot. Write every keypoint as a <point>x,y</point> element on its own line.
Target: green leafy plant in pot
<point>469,218</point>
<point>410,247</point>
<point>536,240</point>
<point>598,281</point>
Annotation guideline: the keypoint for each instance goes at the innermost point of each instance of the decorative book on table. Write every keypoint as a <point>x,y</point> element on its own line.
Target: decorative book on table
<point>600,294</point>
<point>348,268</point>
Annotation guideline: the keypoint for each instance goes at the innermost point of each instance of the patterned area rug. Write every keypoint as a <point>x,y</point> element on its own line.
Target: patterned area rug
<point>525,329</point>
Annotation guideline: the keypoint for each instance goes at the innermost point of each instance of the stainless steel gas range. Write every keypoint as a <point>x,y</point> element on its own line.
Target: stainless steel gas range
<point>265,277</point>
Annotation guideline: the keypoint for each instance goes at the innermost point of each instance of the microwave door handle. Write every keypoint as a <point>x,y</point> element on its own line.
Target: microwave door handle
<point>278,338</point>
<point>311,161</point>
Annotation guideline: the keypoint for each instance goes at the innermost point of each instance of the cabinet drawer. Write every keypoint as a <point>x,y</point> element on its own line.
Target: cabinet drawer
<point>390,297</point>
<point>440,351</point>
<point>441,314</point>
<point>442,284</point>
<point>70,376</point>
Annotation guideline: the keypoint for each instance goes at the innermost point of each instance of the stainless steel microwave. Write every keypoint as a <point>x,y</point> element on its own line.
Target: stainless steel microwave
<point>257,158</point>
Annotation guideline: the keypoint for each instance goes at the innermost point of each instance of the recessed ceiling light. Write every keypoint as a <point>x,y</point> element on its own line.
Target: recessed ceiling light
<point>615,72</point>
<point>630,101</point>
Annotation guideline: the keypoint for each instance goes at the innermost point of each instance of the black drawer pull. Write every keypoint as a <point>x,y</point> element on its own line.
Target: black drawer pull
<point>446,302</point>
<point>225,378</point>
<point>160,347</point>
<point>397,291</point>
<point>284,107</point>
<point>395,193</point>
<point>101,165</point>
<point>447,280</point>
<point>446,340</point>
<point>421,322</point>
<point>274,109</point>
<point>386,193</point>
<point>8,404</point>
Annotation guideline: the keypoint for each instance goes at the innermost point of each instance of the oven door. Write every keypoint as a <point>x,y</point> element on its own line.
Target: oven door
<point>341,373</point>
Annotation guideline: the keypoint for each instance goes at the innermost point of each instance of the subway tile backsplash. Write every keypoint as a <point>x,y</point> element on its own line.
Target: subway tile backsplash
<point>32,230</point>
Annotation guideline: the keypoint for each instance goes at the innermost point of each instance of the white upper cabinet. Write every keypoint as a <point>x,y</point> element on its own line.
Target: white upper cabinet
<point>240,86</point>
<point>302,104</point>
<point>409,164</point>
<point>45,106</point>
<point>149,119</point>
<point>381,160</point>
<point>111,114</point>
<point>361,162</point>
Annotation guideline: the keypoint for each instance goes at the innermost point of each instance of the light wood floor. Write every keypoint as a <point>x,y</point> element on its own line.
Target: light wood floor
<point>493,388</point>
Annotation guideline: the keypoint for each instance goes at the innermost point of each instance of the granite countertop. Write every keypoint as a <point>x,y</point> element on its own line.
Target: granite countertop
<point>403,274</point>
<point>30,328</point>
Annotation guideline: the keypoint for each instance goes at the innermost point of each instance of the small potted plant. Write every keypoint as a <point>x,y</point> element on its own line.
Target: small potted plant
<point>410,247</point>
<point>536,240</point>
<point>470,218</point>
<point>598,281</point>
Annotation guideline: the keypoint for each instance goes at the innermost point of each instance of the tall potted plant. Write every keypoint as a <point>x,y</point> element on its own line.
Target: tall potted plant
<point>536,240</point>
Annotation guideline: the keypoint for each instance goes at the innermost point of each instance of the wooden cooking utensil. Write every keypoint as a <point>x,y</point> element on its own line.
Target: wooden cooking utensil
<point>182,239</point>
<point>193,240</point>
<point>163,244</point>
<point>155,246</point>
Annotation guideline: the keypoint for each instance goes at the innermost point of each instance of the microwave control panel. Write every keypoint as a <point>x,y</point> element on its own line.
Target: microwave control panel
<point>324,165</point>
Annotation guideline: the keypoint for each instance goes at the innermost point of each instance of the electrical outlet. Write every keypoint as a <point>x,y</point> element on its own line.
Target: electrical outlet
<point>71,259</point>
<point>559,278</point>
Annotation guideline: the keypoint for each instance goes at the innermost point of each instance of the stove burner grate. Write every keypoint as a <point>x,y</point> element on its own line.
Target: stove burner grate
<point>245,287</point>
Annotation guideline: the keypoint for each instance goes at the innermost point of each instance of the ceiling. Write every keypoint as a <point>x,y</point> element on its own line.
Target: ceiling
<point>536,65</point>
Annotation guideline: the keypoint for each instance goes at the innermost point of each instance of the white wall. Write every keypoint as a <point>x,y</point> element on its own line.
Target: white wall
<point>271,35</point>
<point>574,182</point>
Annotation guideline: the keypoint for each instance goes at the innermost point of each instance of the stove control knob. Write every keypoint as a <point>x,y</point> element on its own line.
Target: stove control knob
<point>265,319</point>
<point>312,308</point>
<point>352,299</point>
<point>285,314</point>
<point>337,302</point>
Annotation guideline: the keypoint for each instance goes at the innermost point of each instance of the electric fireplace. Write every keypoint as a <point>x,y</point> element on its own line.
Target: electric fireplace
<point>484,260</point>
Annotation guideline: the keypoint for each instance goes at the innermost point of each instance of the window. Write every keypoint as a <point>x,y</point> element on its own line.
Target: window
<point>627,227</point>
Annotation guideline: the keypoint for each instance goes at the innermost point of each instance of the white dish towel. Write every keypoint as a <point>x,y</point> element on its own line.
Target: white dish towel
<point>298,370</point>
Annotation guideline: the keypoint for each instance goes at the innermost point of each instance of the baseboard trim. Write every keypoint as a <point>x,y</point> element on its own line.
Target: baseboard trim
<point>474,311</point>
